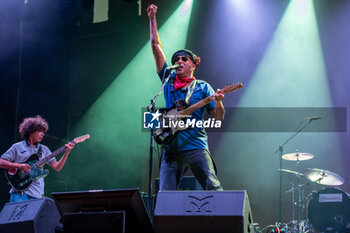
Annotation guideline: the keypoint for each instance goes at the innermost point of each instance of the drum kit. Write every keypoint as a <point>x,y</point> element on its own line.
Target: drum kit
<point>327,210</point>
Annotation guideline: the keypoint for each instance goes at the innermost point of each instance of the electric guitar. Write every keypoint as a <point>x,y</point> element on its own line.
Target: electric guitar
<point>21,180</point>
<point>178,111</point>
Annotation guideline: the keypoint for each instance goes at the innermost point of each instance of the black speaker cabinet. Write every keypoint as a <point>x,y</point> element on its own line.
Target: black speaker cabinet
<point>94,204</point>
<point>33,216</point>
<point>94,222</point>
<point>203,212</point>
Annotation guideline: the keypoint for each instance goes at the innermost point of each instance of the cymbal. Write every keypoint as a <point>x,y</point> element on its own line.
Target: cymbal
<point>321,176</point>
<point>297,156</point>
<point>290,171</point>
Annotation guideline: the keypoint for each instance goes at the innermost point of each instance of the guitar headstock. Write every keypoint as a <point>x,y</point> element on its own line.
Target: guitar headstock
<point>232,87</point>
<point>81,138</point>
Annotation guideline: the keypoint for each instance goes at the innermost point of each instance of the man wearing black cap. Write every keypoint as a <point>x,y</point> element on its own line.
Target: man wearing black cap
<point>190,146</point>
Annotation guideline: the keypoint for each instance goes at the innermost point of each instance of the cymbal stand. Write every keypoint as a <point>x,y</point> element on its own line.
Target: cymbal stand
<point>293,199</point>
<point>279,150</point>
<point>301,196</point>
<point>299,188</point>
<point>299,225</point>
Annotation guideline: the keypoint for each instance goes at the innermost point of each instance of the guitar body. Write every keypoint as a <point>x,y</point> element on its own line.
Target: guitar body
<point>21,180</point>
<point>180,111</point>
<point>165,135</point>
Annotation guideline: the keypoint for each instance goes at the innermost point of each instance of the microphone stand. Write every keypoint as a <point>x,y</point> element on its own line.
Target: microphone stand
<point>151,108</point>
<point>280,150</point>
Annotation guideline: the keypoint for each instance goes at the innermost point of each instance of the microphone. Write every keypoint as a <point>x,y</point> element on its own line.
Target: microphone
<point>313,118</point>
<point>174,67</point>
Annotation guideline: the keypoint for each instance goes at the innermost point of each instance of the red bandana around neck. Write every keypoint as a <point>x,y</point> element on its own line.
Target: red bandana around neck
<point>181,82</point>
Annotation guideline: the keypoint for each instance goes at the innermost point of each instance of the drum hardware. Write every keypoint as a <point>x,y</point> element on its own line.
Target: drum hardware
<point>301,200</point>
<point>321,176</point>
<point>298,156</point>
<point>300,226</point>
<point>278,228</point>
<point>329,210</point>
<point>305,122</point>
<point>291,227</point>
<point>290,171</point>
<point>296,188</point>
<point>327,220</point>
<point>298,223</point>
<point>293,198</point>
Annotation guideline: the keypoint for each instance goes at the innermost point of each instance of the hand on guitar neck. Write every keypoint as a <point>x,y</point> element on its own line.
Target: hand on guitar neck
<point>218,96</point>
<point>219,111</point>
<point>69,146</point>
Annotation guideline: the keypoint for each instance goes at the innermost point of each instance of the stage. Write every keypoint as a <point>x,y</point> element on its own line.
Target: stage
<point>88,67</point>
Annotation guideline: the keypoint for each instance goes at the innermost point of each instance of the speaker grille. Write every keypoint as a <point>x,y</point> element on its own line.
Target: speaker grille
<point>203,211</point>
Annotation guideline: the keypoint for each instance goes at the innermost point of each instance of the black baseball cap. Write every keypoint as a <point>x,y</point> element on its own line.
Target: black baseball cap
<point>188,53</point>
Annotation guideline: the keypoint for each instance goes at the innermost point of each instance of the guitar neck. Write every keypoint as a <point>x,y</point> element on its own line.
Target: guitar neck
<point>186,112</point>
<point>42,162</point>
<point>227,89</point>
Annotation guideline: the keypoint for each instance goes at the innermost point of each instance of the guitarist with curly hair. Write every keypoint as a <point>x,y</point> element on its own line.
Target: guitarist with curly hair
<point>15,159</point>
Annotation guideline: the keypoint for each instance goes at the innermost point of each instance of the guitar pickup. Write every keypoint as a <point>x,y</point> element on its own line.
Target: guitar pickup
<point>180,104</point>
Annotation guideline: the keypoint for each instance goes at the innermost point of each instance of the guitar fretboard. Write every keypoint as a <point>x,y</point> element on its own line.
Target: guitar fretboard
<point>186,112</point>
<point>42,162</point>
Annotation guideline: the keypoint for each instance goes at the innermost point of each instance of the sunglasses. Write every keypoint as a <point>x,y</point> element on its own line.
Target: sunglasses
<point>184,59</point>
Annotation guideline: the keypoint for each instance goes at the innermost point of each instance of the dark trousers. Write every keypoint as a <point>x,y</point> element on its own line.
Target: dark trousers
<point>174,163</point>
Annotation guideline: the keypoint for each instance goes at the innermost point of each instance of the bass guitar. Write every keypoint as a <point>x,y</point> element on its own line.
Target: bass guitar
<point>172,116</point>
<point>21,180</point>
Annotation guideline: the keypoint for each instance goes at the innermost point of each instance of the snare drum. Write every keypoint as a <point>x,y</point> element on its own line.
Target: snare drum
<point>329,210</point>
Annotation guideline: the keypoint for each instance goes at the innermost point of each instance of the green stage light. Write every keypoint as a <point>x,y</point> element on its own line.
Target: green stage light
<point>290,74</point>
<point>292,71</point>
<point>118,148</point>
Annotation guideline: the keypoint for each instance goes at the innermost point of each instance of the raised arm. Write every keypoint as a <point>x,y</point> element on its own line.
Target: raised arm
<point>154,38</point>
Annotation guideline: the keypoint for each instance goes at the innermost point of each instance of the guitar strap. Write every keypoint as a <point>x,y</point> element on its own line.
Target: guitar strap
<point>40,151</point>
<point>190,92</point>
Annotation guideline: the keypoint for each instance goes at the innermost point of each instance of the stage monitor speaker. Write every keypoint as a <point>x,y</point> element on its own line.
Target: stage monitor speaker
<point>94,222</point>
<point>203,212</point>
<point>128,200</point>
<point>33,216</point>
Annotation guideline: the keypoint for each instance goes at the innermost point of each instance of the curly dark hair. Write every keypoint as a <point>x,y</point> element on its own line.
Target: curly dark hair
<point>32,124</point>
